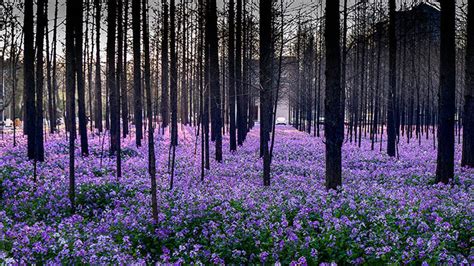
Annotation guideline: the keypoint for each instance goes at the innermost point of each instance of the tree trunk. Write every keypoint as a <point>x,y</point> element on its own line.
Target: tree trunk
<point>216,119</point>
<point>123,78</point>
<point>333,124</point>
<point>164,69</point>
<point>54,76</point>
<point>137,79</point>
<point>151,144</point>
<point>468,131</point>
<point>80,79</point>
<point>71,14</point>
<point>446,105</point>
<point>266,74</point>
<point>40,32</point>
<point>49,80</point>
<point>29,78</point>
<point>241,128</point>
<point>231,79</point>
<point>391,130</point>
<point>98,79</point>
<point>174,76</point>
<point>114,92</point>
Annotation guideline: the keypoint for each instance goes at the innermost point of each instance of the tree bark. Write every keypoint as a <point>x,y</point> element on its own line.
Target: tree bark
<point>151,144</point>
<point>241,128</point>
<point>70,95</point>
<point>446,104</point>
<point>216,119</point>
<point>29,78</point>
<point>231,79</point>
<point>40,32</point>
<point>391,130</point>
<point>114,92</point>
<point>98,79</point>
<point>164,69</point>
<point>468,130</point>
<point>333,124</point>
<point>80,79</point>
<point>174,76</point>
<point>266,74</point>
<point>137,79</point>
<point>123,75</point>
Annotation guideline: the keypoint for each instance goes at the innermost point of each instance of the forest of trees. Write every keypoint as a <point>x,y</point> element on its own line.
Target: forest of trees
<point>349,72</point>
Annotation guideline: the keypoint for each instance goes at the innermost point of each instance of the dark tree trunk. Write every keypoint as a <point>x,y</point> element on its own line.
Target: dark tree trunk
<point>40,28</point>
<point>114,92</point>
<point>71,14</point>
<point>137,79</point>
<point>80,79</point>
<point>54,69</point>
<point>29,78</point>
<point>203,72</point>
<point>98,79</point>
<point>391,130</point>
<point>184,70</point>
<point>266,74</point>
<point>123,76</point>
<point>151,144</point>
<point>173,88</point>
<point>445,159</point>
<point>14,62</point>
<point>164,69</point>
<point>231,79</point>
<point>216,119</point>
<point>344,62</point>
<point>120,57</point>
<point>174,76</point>
<point>333,124</point>
<point>241,128</point>
<point>468,131</point>
<point>49,81</point>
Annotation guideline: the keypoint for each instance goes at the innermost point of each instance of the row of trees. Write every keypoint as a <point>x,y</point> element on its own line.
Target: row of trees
<point>200,69</point>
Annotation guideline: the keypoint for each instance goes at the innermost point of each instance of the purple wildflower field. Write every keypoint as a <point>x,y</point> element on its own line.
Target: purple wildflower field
<point>388,211</point>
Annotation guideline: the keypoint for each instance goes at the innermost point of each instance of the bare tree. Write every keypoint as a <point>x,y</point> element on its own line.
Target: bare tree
<point>446,105</point>
<point>265,84</point>
<point>468,133</point>
<point>137,77</point>
<point>333,124</point>
<point>391,129</point>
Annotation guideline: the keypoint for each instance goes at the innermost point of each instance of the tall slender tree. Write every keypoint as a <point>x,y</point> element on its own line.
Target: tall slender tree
<point>333,124</point>
<point>114,92</point>
<point>266,74</point>
<point>468,129</point>
<point>80,78</point>
<point>40,32</point>
<point>231,79</point>
<point>123,74</point>
<point>29,75</point>
<point>173,76</point>
<point>242,130</point>
<point>446,104</point>
<point>173,88</point>
<point>164,69</point>
<point>151,140</point>
<point>49,80</point>
<point>391,129</point>
<point>214,83</point>
<point>137,76</point>
<point>98,79</point>
<point>71,14</point>
<point>54,68</point>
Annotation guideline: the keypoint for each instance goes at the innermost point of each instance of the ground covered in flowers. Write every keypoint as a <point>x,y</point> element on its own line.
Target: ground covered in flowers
<point>389,210</point>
